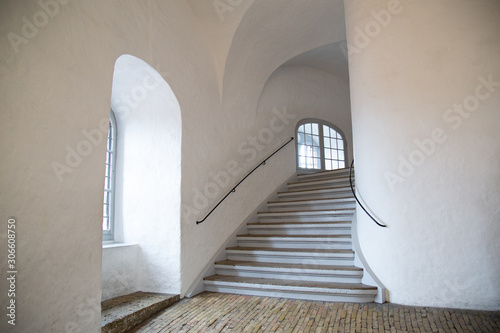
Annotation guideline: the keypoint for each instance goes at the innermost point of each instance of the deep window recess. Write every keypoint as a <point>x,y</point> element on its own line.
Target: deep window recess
<point>319,146</point>
<point>109,183</point>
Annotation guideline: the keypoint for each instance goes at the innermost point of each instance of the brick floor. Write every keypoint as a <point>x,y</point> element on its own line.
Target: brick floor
<point>215,312</point>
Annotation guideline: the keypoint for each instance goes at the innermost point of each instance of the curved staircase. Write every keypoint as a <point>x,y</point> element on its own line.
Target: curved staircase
<point>300,248</point>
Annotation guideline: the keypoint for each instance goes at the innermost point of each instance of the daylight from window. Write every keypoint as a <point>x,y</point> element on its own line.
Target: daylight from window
<point>109,182</point>
<point>319,147</point>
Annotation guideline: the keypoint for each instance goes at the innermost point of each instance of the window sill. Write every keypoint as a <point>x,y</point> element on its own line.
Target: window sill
<point>111,244</point>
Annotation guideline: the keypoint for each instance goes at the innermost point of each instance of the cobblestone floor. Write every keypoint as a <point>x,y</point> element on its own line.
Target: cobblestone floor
<point>213,312</point>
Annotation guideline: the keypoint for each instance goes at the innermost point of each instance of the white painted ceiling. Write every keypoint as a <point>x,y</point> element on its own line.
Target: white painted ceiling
<point>329,58</point>
<point>263,23</point>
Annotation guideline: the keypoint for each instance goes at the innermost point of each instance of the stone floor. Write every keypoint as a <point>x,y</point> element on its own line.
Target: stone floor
<point>214,312</point>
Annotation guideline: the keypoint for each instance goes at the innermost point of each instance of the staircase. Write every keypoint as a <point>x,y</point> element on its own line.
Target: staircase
<point>300,248</point>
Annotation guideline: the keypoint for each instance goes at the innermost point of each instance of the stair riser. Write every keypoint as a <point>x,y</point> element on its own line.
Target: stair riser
<point>302,179</point>
<point>340,205</point>
<point>341,177</point>
<point>347,245</point>
<point>325,175</point>
<point>332,278</point>
<point>319,184</point>
<point>291,294</point>
<point>304,260</point>
<point>290,196</point>
<point>301,231</point>
<point>325,218</point>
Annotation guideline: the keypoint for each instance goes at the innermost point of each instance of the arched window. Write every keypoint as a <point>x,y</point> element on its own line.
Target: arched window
<point>320,146</point>
<point>109,183</point>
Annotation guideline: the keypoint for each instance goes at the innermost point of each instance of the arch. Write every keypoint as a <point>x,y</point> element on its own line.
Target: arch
<point>148,177</point>
<point>320,146</point>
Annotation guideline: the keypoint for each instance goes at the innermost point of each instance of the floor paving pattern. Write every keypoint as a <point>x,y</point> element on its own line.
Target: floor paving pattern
<point>216,312</point>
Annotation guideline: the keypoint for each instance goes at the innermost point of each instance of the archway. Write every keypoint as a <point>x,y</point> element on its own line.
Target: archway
<point>145,254</point>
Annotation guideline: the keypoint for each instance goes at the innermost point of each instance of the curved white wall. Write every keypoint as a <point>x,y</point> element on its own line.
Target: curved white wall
<point>292,93</point>
<point>55,87</point>
<point>426,168</point>
<point>309,93</point>
<point>226,138</point>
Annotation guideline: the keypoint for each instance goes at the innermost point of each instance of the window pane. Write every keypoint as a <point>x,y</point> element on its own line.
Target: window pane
<point>309,162</point>
<point>300,138</point>
<point>315,139</point>
<point>105,223</point>
<point>327,142</point>
<point>341,155</point>
<point>317,163</point>
<point>315,129</point>
<point>107,219</point>
<point>309,128</point>
<point>334,143</point>
<point>302,162</point>
<point>341,164</point>
<point>309,147</point>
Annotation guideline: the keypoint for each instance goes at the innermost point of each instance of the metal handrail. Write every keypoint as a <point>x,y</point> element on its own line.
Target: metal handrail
<point>355,196</point>
<point>241,181</point>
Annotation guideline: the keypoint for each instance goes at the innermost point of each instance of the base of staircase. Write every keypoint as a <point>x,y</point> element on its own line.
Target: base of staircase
<point>306,290</point>
<point>122,313</point>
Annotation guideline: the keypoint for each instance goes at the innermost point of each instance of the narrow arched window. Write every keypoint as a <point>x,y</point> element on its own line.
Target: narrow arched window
<point>109,182</point>
<point>320,146</point>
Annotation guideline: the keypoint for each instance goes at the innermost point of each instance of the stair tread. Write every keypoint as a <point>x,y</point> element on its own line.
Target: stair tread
<point>297,223</point>
<point>317,189</point>
<point>321,173</point>
<point>290,283</point>
<point>308,211</point>
<point>293,266</point>
<point>321,180</point>
<point>294,236</point>
<point>274,249</point>
<point>322,200</point>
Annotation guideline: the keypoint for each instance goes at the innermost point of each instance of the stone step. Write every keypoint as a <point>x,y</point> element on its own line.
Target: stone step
<point>307,215</point>
<point>121,314</point>
<point>324,174</point>
<point>300,228</point>
<point>313,204</point>
<point>310,194</point>
<point>298,272</point>
<point>318,291</point>
<point>319,183</point>
<point>292,256</point>
<point>340,242</point>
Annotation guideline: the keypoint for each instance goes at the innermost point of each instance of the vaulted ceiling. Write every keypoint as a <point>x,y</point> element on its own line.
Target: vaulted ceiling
<point>250,39</point>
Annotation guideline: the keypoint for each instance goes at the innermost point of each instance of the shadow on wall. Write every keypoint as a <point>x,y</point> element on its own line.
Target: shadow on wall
<point>148,178</point>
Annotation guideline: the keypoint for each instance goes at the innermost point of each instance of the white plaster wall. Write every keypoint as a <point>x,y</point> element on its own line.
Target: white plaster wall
<point>291,94</point>
<point>218,141</point>
<point>271,33</point>
<point>120,273</point>
<point>309,93</point>
<point>441,247</point>
<point>56,86</point>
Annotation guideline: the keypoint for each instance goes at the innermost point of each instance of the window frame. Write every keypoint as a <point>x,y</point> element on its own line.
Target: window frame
<point>320,123</point>
<point>108,235</point>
